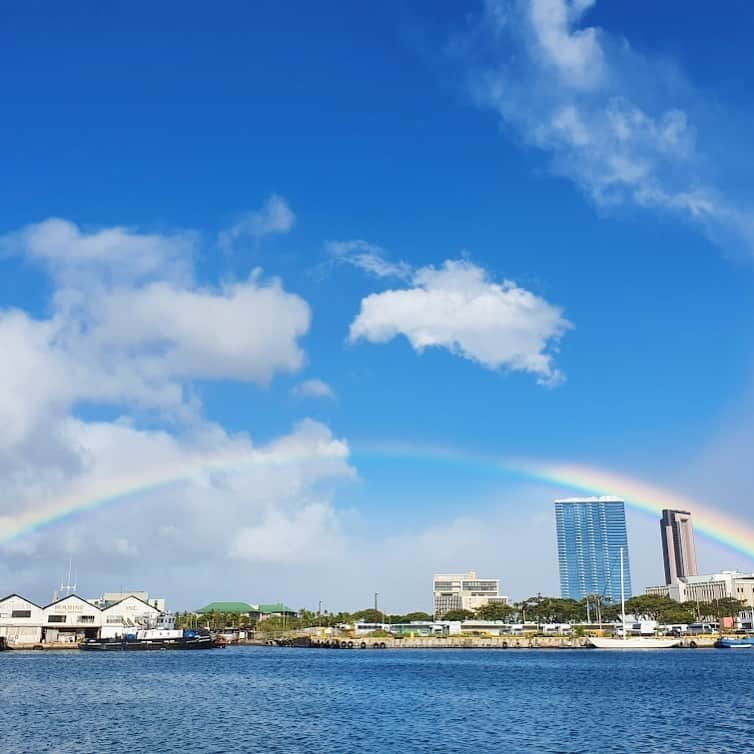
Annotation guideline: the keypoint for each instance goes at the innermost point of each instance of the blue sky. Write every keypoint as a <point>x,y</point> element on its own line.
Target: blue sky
<point>599,158</point>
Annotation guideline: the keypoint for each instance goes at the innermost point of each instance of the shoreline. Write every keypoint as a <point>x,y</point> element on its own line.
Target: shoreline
<point>383,643</point>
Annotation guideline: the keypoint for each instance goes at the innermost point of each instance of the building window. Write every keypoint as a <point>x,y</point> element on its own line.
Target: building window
<point>86,619</point>
<point>20,614</point>
<point>56,618</point>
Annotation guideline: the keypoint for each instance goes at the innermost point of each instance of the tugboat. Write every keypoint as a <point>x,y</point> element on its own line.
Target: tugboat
<point>153,639</point>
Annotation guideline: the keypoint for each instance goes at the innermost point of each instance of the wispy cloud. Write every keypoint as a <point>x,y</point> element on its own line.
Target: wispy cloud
<point>274,217</point>
<point>368,257</point>
<point>614,121</point>
<point>313,388</point>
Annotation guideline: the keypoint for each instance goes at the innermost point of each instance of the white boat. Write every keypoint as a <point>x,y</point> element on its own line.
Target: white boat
<point>630,642</point>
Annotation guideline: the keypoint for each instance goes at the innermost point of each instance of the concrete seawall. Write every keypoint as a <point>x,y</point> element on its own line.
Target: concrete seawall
<point>454,642</point>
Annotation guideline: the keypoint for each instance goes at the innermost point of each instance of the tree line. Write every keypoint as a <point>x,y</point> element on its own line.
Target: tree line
<point>216,620</point>
<point>537,609</point>
<point>597,609</point>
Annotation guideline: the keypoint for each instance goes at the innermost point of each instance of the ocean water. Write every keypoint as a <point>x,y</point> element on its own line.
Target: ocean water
<point>257,699</point>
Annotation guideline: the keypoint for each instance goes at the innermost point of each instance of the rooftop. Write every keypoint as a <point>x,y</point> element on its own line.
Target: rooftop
<point>276,607</point>
<point>227,607</point>
<point>603,499</point>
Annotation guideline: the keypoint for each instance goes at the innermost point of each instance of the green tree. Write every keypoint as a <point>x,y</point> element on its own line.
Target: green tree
<point>530,609</point>
<point>610,611</point>
<point>650,606</point>
<point>662,609</point>
<point>678,613</point>
<point>594,605</point>
<point>416,616</point>
<point>558,610</point>
<point>728,607</point>
<point>370,615</point>
<point>308,618</point>
<point>495,611</point>
<point>458,615</point>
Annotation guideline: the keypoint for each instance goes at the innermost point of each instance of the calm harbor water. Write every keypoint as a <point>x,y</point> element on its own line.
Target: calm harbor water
<point>247,699</point>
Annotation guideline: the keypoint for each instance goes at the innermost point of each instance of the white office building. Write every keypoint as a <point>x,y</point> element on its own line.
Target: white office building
<point>709,588</point>
<point>464,591</point>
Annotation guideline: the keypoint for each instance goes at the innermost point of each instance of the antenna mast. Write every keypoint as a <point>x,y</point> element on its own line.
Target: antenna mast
<point>67,588</point>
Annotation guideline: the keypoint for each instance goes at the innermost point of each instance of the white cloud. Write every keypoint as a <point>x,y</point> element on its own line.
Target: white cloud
<point>245,331</point>
<point>458,307</point>
<point>274,217</point>
<point>205,499</point>
<point>308,535</point>
<point>114,255</point>
<point>129,330</point>
<point>575,53</point>
<point>313,388</point>
<point>614,121</point>
<point>128,327</point>
<point>368,257</point>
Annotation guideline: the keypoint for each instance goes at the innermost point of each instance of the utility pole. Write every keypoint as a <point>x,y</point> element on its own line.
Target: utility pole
<point>376,594</point>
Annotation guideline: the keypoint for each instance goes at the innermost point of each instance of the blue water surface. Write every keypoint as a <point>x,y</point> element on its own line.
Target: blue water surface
<point>258,699</point>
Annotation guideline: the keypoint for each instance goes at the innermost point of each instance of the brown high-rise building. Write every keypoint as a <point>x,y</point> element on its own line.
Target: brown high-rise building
<point>678,550</point>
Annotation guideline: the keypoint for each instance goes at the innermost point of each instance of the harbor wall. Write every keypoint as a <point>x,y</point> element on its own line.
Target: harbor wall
<point>457,642</point>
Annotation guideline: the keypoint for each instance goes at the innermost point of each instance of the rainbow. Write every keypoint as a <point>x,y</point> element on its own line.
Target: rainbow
<point>736,534</point>
<point>733,533</point>
<point>113,489</point>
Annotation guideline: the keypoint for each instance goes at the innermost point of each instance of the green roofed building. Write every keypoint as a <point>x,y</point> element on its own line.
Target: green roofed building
<point>244,608</point>
<point>278,609</point>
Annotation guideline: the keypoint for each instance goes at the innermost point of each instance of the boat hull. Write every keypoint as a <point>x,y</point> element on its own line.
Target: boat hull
<point>734,643</point>
<point>632,642</point>
<point>148,645</point>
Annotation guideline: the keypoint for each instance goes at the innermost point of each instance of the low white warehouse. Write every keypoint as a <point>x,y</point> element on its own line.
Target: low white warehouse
<point>71,619</point>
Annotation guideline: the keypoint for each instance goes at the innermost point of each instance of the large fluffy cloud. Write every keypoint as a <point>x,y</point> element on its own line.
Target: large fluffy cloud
<point>129,327</point>
<point>246,331</point>
<point>616,122</point>
<point>127,330</point>
<point>206,501</point>
<point>458,307</point>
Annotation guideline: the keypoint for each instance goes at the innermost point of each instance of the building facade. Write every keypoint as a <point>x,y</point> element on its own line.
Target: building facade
<point>591,535</point>
<point>21,620</point>
<point>110,598</point>
<point>708,588</point>
<point>678,551</point>
<point>464,591</point>
<point>71,619</point>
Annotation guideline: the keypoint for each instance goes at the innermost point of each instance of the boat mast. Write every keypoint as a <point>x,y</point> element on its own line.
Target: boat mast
<point>622,596</point>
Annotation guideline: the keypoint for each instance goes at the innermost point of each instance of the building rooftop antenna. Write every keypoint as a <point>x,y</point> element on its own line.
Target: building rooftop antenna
<point>67,588</point>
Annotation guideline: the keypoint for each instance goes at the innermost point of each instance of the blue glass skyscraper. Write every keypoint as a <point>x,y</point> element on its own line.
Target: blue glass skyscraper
<point>591,533</point>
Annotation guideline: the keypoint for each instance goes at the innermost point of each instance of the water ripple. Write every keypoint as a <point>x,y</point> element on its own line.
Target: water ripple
<point>246,699</point>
